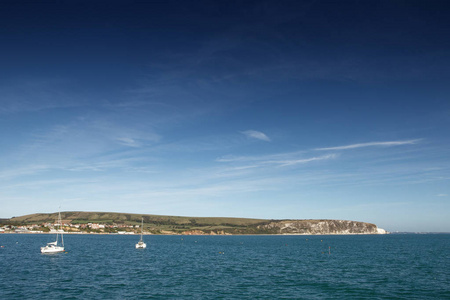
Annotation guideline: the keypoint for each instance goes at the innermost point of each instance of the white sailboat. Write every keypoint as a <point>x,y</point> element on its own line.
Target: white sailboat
<point>141,244</point>
<point>53,247</point>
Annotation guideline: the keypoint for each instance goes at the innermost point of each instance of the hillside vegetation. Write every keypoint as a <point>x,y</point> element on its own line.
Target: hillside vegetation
<point>158,224</point>
<point>152,223</point>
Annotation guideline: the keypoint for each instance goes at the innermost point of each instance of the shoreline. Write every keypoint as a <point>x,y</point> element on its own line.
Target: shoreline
<point>176,234</point>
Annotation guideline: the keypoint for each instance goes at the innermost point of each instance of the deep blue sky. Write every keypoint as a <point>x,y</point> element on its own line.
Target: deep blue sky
<point>262,109</point>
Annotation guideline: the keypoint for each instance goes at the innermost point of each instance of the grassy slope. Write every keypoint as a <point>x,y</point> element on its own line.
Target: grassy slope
<point>123,218</point>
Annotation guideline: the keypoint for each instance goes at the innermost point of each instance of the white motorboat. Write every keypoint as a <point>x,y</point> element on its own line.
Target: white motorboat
<point>53,247</point>
<point>141,244</point>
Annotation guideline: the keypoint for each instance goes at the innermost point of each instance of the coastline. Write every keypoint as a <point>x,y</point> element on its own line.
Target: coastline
<point>180,234</point>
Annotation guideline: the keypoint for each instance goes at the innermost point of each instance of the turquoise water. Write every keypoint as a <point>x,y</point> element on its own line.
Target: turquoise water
<point>227,267</point>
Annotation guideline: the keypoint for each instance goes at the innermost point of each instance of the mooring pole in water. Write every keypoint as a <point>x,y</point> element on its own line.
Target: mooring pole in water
<point>329,250</point>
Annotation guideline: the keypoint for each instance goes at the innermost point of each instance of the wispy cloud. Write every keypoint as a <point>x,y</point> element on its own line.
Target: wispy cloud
<point>256,135</point>
<point>135,162</point>
<point>441,195</point>
<point>179,190</point>
<point>276,156</point>
<point>282,160</point>
<point>32,95</point>
<point>24,171</point>
<point>303,161</point>
<point>372,144</point>
<point>126,141</point>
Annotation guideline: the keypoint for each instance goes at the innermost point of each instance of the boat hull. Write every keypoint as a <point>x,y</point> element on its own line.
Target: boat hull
<point>141,245</point>
<point>49,250</point>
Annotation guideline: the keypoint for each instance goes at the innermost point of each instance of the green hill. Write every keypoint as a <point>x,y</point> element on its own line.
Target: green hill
<point>152,223</point>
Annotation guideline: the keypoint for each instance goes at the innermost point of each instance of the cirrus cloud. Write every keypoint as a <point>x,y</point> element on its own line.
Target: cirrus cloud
<point>256,135</point>
<point>372,144</point>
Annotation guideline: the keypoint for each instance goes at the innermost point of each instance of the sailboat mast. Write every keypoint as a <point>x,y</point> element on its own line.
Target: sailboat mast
<point>142,228</point>
<point>60,227</point>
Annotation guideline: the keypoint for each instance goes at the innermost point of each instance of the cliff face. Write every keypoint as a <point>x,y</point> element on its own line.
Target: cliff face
<point>321,227</point>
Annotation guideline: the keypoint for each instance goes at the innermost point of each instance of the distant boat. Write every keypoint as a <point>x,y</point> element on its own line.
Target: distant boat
<point>141,244</point>
<point>53,246</point>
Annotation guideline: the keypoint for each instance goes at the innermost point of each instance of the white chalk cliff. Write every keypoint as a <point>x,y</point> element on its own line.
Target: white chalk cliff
<point>322,227</point>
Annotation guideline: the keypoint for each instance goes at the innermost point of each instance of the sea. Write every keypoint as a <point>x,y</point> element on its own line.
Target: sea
<point>394,266</point>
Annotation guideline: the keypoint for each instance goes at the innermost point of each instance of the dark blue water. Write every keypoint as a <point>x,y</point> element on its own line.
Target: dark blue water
<point>227,267</point>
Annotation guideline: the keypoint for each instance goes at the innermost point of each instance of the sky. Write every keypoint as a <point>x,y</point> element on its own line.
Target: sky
<point>257,109</point>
